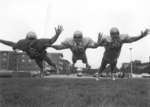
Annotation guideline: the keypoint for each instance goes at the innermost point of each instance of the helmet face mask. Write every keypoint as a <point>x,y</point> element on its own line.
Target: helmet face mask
<point>114,33</point>
<point>77,39</point>
<point>77,36</point>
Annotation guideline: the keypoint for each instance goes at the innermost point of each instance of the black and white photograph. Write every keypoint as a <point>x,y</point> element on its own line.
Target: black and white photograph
<point>74,53</point>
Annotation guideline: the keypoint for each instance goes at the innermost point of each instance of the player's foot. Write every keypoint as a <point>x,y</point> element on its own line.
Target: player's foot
<point>113,76</point>
<point>79,74</point>
<point>55,67</point>
<point>97,78</point>
<point>96,74</point>
<point>88,66</point>
<point>41,75</point>
<point>47,73</point>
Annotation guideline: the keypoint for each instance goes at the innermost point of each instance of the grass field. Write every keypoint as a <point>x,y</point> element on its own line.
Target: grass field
<point>30,92</point>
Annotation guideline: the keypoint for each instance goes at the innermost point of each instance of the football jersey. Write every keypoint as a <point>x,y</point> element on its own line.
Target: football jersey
<point>78,49</point>
<point>113,47</point>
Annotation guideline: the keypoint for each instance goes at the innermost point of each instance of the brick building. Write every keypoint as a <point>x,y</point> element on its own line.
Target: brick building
<point>137,66</point>
<point>10,60</point>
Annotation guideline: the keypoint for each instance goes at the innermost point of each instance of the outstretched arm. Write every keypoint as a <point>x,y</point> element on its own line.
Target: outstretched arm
<point>49,42</point>
<point>59,47</point>
<point>133,39</point>
<point>101,41</point>
<point>58,31</point>
<point>95,44</point>
<point>8,43</point>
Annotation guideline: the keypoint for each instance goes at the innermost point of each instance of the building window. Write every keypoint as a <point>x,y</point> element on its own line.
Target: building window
<point>23,56</point>
<point>4,54</point>
<point>4,59</point>
<point>29,60</point>
<point>23,60</point>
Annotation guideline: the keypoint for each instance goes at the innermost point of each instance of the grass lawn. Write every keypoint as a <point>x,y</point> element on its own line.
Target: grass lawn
<point>30,92</point>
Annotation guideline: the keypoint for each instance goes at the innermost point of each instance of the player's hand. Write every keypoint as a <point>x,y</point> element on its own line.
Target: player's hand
<point>58,30</point>
<point>99,37</point>
<point>53,46</point>
<point>145,32</point>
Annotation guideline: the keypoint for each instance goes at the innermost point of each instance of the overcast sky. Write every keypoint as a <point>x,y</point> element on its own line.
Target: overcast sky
<point>17,17</point>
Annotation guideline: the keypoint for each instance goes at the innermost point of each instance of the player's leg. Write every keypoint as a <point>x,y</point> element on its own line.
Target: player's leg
<point>84,60</point>
<point>101,69</point>
<point>40,64</point>
<point>78,70</point>
<point>74,60</point>
<point>113,66</point>
<point>103,66</point>
<point>48,60</point>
